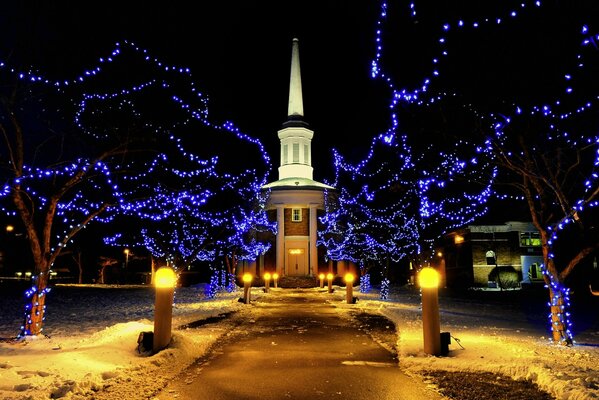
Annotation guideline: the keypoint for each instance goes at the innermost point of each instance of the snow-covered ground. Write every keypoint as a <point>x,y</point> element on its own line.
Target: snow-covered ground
<point>92,333</point>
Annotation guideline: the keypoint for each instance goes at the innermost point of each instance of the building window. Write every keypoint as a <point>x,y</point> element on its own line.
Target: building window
<point>285,156</point>
<point>534,272</point>
<point>306,155</point>
<point>295,153</point>
<point>530,239</point>
<point>491,258</point>
<point>296,214</point>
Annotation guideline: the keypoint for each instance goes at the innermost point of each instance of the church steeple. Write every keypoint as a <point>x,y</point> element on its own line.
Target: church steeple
<point>296,137</point>
<point>296,104</point>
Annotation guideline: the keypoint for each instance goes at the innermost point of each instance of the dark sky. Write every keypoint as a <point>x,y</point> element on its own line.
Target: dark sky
<point>239,53</point>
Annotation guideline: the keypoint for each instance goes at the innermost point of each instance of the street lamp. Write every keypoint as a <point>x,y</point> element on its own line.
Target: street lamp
<point>275,278</point>
<point>166,279</point>
<point>321,277</point>
<point>429,284</point>
<point>126,251</point>
<point>330,279</point>
<point>349,282</point>
<point>247,281</point>
<point>266,282</point>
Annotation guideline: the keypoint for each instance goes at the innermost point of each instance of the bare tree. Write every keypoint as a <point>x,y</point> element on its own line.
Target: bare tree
<point>554,176</point>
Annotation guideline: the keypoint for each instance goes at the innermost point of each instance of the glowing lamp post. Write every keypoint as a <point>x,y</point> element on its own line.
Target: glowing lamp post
<point>321,277</point>
<point>266,282</point>
<point>275,278</point>
<point>330,279</point>
<point>247,283</point>
<point>429,283</point>
<point>166,280</point>
<point>349,288</point>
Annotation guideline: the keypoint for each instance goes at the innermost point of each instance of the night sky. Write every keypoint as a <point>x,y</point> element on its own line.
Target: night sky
<point>239,53</point>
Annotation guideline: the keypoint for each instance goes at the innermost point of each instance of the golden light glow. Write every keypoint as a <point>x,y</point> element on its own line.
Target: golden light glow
<point>10,228</point>
<point>321,276</point>
<point>165,277</point>
<point>126,251</point>
<point>247,277</point>
<point>296,251</point>
<point>275,276</point>
<point>349,278</point>
<point>458,239</point>
<point>428,278</point>
<point>329,276</point>
<point>267,276</point>
<point>439,254</point>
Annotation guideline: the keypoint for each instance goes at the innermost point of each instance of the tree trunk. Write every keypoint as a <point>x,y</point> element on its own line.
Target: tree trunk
<point>558,295</point>
<point>35,309</point>
<point>559,321</point>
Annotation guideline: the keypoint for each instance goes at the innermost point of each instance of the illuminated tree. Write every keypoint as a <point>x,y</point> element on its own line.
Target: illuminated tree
<point>539,131</point>
<point>102,144</point>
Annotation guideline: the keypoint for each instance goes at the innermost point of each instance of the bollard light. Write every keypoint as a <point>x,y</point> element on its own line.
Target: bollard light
<point>429,283</point>
<point>266,282</point>
<point>247,282</point>
<point>321,277</point>
<point>349,288</point>
<point>166,280</point>
<point>275,278</point>
<point>330,279</point>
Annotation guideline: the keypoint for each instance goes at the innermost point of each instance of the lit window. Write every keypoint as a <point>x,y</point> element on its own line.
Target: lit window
<point>530,239</point>
<point>285,156</point>
<point>296,214</point>
<point>295,153</point>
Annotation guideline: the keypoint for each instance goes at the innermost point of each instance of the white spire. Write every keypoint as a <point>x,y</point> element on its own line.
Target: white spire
<point>296,104</point>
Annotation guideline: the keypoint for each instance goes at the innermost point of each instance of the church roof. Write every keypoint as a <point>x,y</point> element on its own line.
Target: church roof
<point>296,183</point>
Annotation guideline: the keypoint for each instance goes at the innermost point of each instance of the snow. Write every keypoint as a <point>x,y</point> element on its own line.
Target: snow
<point>90,347</point>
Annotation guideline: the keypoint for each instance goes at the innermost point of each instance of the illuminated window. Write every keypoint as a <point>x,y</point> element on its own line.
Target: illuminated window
<point>530,239</point>
<point>296,214</point>
<point>295,152</point>
<point>458,239</point>
<point>285,157</point>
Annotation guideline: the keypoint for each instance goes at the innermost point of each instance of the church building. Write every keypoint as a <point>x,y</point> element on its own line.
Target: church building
<point>296,200</point>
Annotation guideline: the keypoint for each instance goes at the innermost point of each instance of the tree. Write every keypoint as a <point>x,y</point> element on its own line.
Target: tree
<point>556,175</point>
<point>56,181</point>
<point>84,149</point>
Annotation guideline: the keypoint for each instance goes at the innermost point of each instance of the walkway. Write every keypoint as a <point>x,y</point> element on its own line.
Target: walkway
<point>293,346</point>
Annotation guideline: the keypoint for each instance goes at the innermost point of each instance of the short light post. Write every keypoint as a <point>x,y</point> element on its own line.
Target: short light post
<point>330,279</point>
<point>166,279</point>
<point>321,277</point>
<point>429,284</point>
<point>266,282</point>
<point>126,251</point>
<point>349,288</point>
<point>275,279</point>
<point>247,283</point>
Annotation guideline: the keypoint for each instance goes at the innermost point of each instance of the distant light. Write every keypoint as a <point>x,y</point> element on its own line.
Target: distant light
<point>275,276</point>
<point>439,254</point>
<point>10,228</point>
<point>458,239</point>
<point>321,276</point>
<point>329,276</point>
<point>247,278</point>
<point>428,278</point>
<point>165,277</point>
<point>267,276</point>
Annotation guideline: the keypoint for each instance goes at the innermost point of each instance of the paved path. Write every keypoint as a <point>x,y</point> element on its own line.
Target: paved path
<point>293,346</point>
